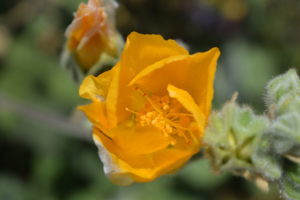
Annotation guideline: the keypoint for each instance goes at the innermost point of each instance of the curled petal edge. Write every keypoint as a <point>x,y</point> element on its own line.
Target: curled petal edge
<point>110,168</point>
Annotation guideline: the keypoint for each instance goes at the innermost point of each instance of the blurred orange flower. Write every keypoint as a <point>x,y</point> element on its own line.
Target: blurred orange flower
<point>150,110</point>
<point>92,33</point>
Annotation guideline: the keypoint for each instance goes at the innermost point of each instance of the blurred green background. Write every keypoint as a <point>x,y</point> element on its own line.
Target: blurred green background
<point>46,155</point>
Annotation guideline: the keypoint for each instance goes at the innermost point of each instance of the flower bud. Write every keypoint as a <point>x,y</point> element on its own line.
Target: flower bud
<point>232,137</point>
<point>92,36</point>
<point>281,86</point>
<point>256,147</point>
<point>284,91</point>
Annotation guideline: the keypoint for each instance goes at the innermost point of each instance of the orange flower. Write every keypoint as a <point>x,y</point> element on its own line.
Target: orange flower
<point>150,110</point>
<point>92,33</point>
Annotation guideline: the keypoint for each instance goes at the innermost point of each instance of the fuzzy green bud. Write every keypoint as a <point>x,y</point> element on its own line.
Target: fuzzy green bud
<point>284,132</point>
<point>281,86</point>
<point>283,136</point>
<point>232,137</point>
<point>259,148</point>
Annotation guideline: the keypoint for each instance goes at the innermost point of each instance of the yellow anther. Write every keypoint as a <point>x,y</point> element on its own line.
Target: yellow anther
<point>166,114</point>
<point>166,107</point>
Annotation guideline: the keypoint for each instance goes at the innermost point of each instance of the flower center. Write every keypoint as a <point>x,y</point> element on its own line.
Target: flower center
<point>166,114</point>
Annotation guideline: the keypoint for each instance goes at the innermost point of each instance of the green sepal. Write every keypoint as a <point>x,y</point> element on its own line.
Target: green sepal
<point>266,162</point>
<point>232,137</point>
<point>286,134</point>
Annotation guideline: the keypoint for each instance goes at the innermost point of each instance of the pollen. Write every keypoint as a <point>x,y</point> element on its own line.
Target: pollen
<point>167,115</point>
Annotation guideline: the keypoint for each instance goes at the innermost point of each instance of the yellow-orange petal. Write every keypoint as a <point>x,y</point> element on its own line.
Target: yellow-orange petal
<point>189,104</point>
<point>142,50</point>
<point>94,87</point>
<point>113,98</point>
<point>157,65</point>
<point>165,165</point>
<point>139,52</point>
<point>122,170</point>
<point>111,165</point>
<point>193,73</point>
<point>96,113</point>
<point>135,161</point>
<point>201,83</point>
<point>161,73</point>
<point>139,140</point>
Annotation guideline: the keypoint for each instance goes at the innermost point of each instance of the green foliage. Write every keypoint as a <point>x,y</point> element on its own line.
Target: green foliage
<point>250,67</point>
<point>198,174</point>
<point>11,188</point>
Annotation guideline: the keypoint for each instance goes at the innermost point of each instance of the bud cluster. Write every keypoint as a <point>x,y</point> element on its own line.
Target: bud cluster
<point>260,148</point>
